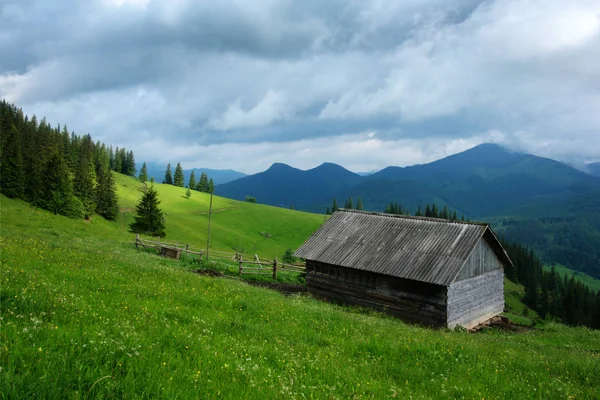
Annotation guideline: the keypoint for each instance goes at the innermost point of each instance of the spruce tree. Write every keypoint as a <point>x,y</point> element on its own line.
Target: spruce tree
<point>203,183</point>
<point>211,186</point>
<point>12,180</point>
<point>419,213</point>
<point>359,204</point>
<point>427,210</point>
<point>85,180</point>
<point>334,207</point>
<point>149,219</point>
<point>143,177</point>
<point>327,212</point>
<point>118,162</point>
<point>57,195</point>
<point>168,177</point>
<point>192,182</point>
<point>434,211</point>
<point>350,204</point>
<point>130,170</point>
<point>107,203</point>
<point>188,193</point>
<point>178,179</point>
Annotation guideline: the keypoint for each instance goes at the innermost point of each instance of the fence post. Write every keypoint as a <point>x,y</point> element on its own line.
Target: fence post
<point>240,265</point>
<point>137,240</point>
<point>275,268</point>
<point>201,255</point>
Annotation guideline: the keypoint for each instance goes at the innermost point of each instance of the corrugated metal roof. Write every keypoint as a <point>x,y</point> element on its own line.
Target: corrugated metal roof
<point>424,249</point>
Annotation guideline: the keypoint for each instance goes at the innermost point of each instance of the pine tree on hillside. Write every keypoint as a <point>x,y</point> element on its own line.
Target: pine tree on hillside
<point>334,206</point>
<point>130,169</point>
<point>85,179</point>
<point>149,219</point>
<point>349,204</point>
<point>143,177</point>
<point>58,192</point>
<point>419,213</point>
<point>211,186</point>
<point>178,179</point>
<point>427,210</point>
<point>168,177</point>
<point>203,183</point>
<point>192,182</point>
<point>12,181</point>
<point>107,203</point>
<point>359,204</point>
<point>117,164</point>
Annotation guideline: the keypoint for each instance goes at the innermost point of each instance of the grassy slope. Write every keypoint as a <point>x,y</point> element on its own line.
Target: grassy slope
<point>592,283</point>
<point>234,224</point>
<point>86,315</point>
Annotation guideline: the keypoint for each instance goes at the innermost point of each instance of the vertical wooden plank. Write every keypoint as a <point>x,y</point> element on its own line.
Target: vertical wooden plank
<point>240,265</point>
<point>275,269</point>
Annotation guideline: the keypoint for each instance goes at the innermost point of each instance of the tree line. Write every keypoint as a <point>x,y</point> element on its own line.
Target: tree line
<point>348,205</point>
<point>57,170</point>
<point>204,184</point>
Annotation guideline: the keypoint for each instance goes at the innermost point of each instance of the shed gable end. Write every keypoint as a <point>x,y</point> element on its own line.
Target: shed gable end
<point>482,259</point>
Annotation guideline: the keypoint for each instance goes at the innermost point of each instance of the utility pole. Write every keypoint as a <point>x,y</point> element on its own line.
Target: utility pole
<point>208,237</point>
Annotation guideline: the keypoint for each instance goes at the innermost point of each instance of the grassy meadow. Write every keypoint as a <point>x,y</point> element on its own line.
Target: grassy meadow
<point>591,282</point>
<point>235,226</point>
<point>86,315</point>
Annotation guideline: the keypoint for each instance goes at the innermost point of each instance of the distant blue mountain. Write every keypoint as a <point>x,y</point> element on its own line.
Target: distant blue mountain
<point>218,175</point>
<point>594,168</point>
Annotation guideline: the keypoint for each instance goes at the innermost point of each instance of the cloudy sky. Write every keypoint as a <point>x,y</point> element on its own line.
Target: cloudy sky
<point>242,84</point>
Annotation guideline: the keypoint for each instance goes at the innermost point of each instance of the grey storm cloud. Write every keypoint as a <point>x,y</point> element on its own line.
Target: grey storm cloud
<point>200,80</point>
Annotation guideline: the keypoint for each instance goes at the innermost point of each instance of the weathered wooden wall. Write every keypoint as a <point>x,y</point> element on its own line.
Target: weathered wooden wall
<point>406,299</point>
<point>476,299</point>
<point>482,260</point>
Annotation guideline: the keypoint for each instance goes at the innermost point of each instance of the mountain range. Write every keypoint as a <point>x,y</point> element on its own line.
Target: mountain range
<point>485,181</point>
<point>541,202</point>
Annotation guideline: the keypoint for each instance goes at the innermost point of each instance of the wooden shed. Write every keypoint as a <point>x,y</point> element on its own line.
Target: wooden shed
<point>428,270</point>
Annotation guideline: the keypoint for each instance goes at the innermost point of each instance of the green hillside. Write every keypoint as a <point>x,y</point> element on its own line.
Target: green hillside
<point>584,278</point>
<point>235,225</point>
<point>85,315</point>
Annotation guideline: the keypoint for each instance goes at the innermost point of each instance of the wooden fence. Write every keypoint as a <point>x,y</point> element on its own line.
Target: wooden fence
<point>248,266</point>
<point>171,250</point>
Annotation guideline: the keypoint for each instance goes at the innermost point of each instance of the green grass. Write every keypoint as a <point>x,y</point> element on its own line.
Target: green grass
<point>517,311</point>
<point>592,283</point>
<point>235,225</point>
<point>85,315</point>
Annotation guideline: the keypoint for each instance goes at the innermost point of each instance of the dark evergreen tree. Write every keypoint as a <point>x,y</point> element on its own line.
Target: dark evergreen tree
<point>149,219</point>
<point>203,183</point>
<point>143,177</point>
<point>434,211</point>
<point>192,182</point>
<point>118,162</point>
<point>419,213</point>
<point>12,180</point>
<point>58,194</point>
<point>178,179</point>
<point>211,186</point>
<point>327,212</point>
<point>107,203</point>
<point>85,178</point>
<point>188,193</point>
<point>334,207</point>
<point>359,204</point>
<point>168,177</point>
<point>427,210</point>
<point>130,164</point>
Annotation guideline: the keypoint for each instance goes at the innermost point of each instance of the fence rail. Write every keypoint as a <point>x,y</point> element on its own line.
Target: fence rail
<point>250,266</point>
